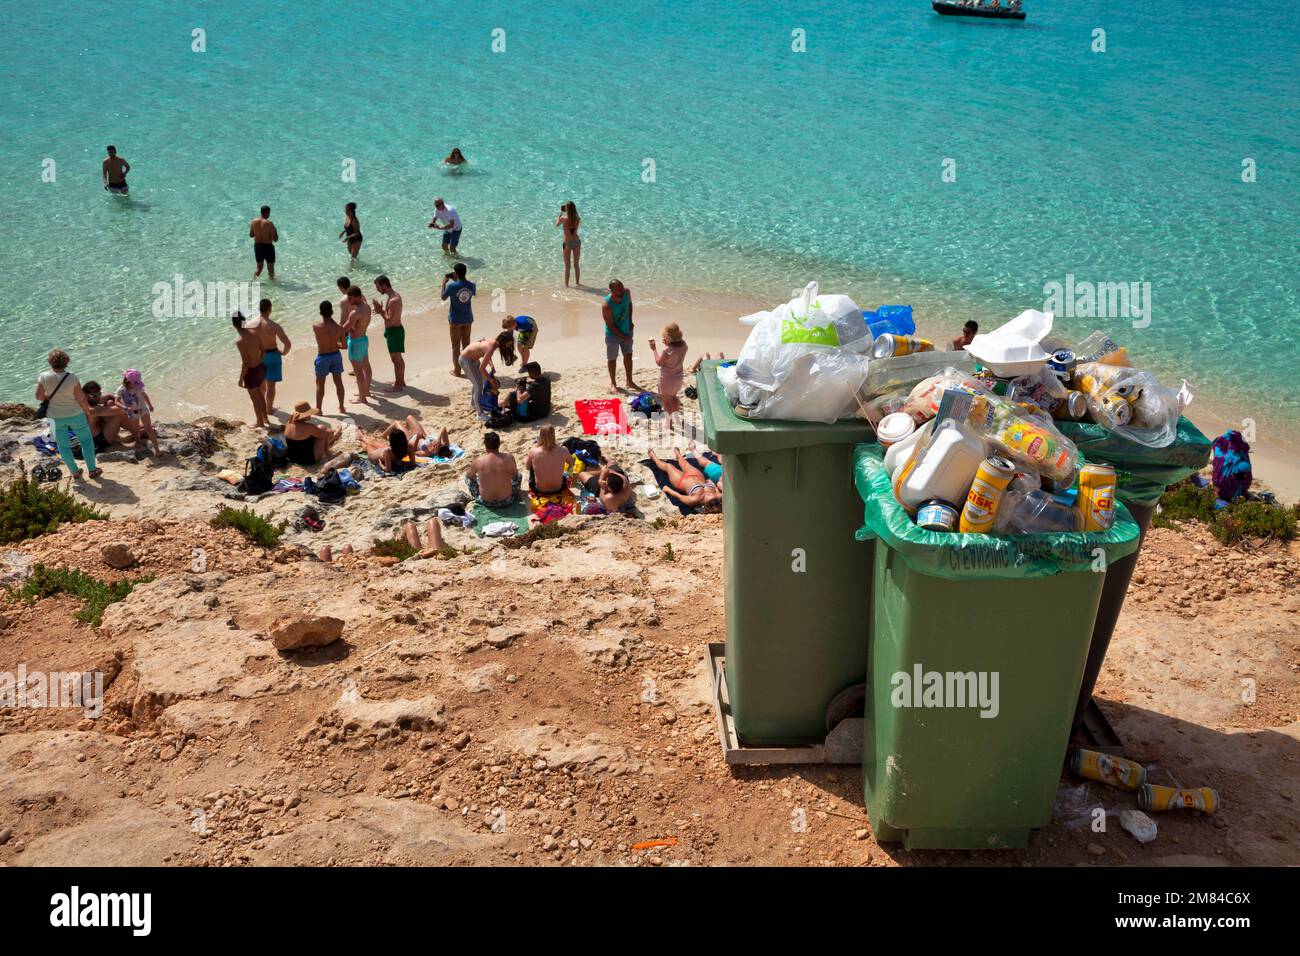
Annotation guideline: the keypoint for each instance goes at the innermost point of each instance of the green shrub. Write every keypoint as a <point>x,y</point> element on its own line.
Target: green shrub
<point>29,509</point>
<point>256,528</point>
<point>45,582</point>
<point>398,548</point>
<point>1254,519</point>
<point>1185,502</point>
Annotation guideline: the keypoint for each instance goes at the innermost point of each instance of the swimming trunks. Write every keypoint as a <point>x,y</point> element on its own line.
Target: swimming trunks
<point>526,336</point>
<point>451,238</point>
<point>359,349</point>
<point>271,362</point>
<point>264,252</point>
<point>329,363</point>
<point>301,451</point>
<point>118,189</point>
<point>252,377</point>
<point>395,336</point>
<point>713,471</point>
<point>612,347</point>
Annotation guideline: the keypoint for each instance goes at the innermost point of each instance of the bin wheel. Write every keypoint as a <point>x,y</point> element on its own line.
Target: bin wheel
<point>850,702</point>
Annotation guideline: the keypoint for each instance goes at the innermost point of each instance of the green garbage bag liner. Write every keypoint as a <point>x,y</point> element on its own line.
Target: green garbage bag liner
<point>965,556</point>
<point>1142,474</point>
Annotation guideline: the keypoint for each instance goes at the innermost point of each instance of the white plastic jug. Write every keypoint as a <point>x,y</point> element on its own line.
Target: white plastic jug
<point>944,468</point>
<point>899,452</point>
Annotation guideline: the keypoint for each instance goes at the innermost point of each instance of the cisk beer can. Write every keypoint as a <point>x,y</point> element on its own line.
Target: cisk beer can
<point>1096,503</point>
<point>1114,411</point>
<point>1155,798</point>
<point>892,346</point>
<point>985,495</point>
<point>1116,771</point>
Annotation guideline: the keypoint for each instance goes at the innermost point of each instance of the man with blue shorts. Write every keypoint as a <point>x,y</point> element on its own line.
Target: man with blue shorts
<point>448,220</point>
<point>329,357</point>
<point>617,313</point>
<point>271,335</point>
<point>357,325</point>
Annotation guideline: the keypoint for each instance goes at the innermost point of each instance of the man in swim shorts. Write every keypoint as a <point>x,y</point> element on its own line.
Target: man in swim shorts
<point>390,310</point>
<point>252,375</point>
<point>493,477</point>
<point>264,235</point>
<point>610,485</point>
<point>271,335</point>
<point>457,292</point>
<point>617,313</point>
<point>357,325</point>
<point>329,357</point>
<point>114,169</point>
<point>447,219</point>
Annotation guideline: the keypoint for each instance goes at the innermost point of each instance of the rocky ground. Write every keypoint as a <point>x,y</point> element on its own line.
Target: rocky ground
<point>547,704</point>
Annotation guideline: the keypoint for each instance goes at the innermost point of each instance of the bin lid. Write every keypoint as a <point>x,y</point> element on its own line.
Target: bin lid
<point>730,434</point>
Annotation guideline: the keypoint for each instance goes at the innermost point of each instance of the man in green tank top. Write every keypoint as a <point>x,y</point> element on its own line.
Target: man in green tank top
<point>617,313</point>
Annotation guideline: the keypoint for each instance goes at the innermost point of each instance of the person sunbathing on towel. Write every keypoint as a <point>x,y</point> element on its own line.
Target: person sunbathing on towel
<point>391,452</point>
<point>418,438</point>
<point>546,461</point>
<point>610,485</point>
<point>687,484</point>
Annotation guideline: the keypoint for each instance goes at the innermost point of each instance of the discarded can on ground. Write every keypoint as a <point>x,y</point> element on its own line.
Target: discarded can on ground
<point>893,346</point>
<point>985,495</point>
<point>1096,497</point>
<point>1152,797</point>
<point>936,515</point>
<point>1105,768</point>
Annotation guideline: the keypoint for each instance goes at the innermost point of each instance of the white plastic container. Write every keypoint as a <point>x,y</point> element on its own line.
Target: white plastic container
<point>944,468</point>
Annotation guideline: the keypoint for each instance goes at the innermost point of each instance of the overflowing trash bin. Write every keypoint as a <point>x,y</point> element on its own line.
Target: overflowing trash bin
<point>977,646</point>
<point>795,598</point>
<point>1142,476</point>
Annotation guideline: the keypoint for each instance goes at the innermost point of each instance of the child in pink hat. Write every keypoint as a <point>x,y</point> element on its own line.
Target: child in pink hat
<point>135,401</point>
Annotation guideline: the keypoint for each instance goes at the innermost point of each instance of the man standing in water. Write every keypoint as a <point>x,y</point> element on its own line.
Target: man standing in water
<point>448,220</point>
<point>357,326</point>
<point>967,336</point>
<point>270,334</point>
<point>617,313</point>
<point>394,333</point>
<point>114,169</point>
<point>264,235</point>
<point>252,375</point>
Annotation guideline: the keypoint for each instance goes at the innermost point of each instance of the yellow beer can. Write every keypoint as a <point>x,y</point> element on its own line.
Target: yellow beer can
<point>1154,798</point>
<point>1096,502</point>
<point>1105,768</point>
<point>985,495</point>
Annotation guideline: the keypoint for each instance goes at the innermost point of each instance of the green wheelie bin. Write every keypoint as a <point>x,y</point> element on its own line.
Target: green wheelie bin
<point>796,595</point>
<point>977,646</point>
<point>1141,476</point>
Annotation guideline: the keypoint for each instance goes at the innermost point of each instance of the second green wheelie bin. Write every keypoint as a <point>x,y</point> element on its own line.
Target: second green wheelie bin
<point>1141,476</point>
<point>796,590</point>
<point>977,646</point>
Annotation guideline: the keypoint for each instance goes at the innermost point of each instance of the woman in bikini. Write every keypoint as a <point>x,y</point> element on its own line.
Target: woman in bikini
<point>568,220</point>
<point>308,442</point>
<point>351,233</point>
<point>418,438</point>
<point>476,364</point>
<point>687,484</point>
<point>391,453</point>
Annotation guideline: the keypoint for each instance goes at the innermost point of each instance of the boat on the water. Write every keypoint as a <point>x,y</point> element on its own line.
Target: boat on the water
<point>950,8</point>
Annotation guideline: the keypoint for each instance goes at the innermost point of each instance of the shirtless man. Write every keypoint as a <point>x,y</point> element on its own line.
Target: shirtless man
<point>106,416</point>
<point>264,235</point>
<point>330,339</point>
<point>357,326</point>
<point>394,333</point>
<point>968,333</point>
<point>252,375</point>
<point>114,169</point>
<point>493,477</point>
<point>271,335</point>
<point>610,485</point>
<point>546,461</point>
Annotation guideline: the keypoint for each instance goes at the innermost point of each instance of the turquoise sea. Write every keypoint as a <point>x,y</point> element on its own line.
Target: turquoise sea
<point>771,166</point>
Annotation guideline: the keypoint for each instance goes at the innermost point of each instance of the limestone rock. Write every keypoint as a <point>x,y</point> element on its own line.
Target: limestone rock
<point>307,630</point>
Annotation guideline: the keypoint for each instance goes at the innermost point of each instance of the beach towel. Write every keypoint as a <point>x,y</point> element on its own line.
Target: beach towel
<point>456,452</point>
<point>44,445</point>
<point>516,512</point>
<point>661,480</point>
<point>286,484</point>
<point>602,416</point>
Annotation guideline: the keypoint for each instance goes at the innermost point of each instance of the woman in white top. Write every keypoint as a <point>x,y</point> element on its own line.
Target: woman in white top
<point>67,411</point>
